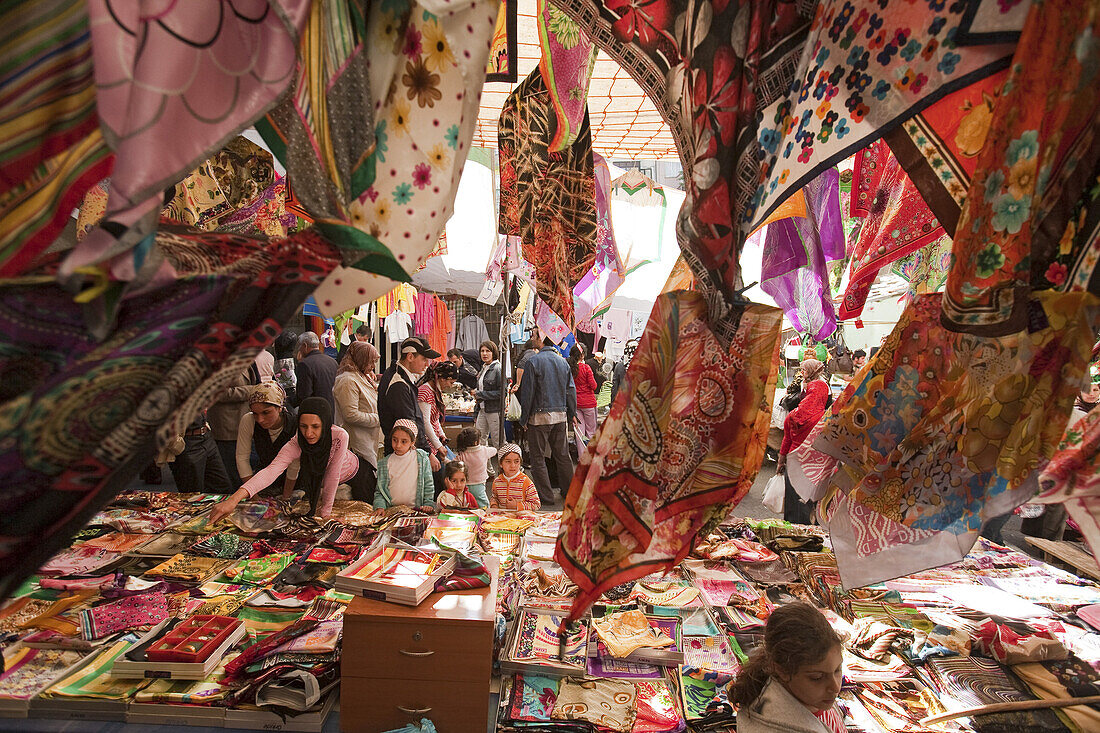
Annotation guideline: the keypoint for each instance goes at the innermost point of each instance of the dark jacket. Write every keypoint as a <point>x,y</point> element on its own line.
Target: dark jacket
<point>397,401</point>
<point>467,374</point>
<point>547,386</point>
<point>618,374</point>
<point>316,373</point>
<point>489,397</point>
<point>597,371</point>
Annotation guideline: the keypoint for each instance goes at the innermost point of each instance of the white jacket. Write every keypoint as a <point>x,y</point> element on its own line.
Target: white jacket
<point>357,411</point>
<point>777,711</point>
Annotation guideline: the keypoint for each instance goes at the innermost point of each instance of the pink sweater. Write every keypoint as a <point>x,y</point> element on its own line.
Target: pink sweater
<point>342,465</point>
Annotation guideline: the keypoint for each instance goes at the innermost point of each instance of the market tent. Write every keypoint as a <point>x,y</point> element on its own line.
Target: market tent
<point>625,123</point>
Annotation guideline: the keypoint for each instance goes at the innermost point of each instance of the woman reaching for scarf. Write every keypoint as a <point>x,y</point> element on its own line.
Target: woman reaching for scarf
<point>796,428</point>
<point>264,430</point>
<point>324,462</point>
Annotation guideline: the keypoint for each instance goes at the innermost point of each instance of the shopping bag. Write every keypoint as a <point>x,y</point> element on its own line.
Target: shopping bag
<point>774,492</point>
<point>514,412</point>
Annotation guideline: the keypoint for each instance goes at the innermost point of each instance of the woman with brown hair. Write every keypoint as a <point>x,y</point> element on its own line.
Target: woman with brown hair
<point>791,683</point>
<point>487,410</point>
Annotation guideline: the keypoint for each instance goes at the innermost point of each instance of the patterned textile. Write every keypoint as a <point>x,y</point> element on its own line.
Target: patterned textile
<point>797,253</point>
<point>901,704</point>
<point>265,216</point>
<point>1042,147</point>
<point>262,622</point>
<point>702,692</point>
<point>117,542</point>
<point>678,449</point>
<point>470,573</point>
<point>52,151</point>
<point>1009,647</point>
<point>80,560</point>
<point>926,269</point>
<point>896,221</point>
<point>905,496</point>
<point>199,200</point>
<point>93,680</point>
<point>427,64</point>
<point>537,639</point>
<point>938,147</point>
<point>29,671</point>
<point>656,709</point>
<point>216,68</point>
<point>547,200</point>
<point>186,568</point>
<point>671,595</point>
<point>566,63</point>
<point>325,637</point>
<point>610,704</point>
<point>963,682</point>
<point>711,653</point>
<point>592,295</point>
<point>1069,678</point>
<point>625,632</point>
<point>224,545</point>
<point>146,609</point>
<point>865,65</point>
<point>503,62</point>
<point>533,698</point>
<point>89,411</point>
<point>189,692</point>
<point>259,570</point>
<point>272,642</point>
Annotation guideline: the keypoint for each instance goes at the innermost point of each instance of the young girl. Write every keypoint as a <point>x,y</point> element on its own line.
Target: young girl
<point>476,457</point>
<point>791,683</point>
<point>456,495</point>
<point>513,489</point>
<point>324,460</point>
<point>405,476</point>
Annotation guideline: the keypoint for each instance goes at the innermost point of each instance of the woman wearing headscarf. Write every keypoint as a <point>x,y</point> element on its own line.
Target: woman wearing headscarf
<point>355,392</point>
<point>325,462</point>
<point>263,431</point>
<point>285,348</point>
<point>439,378</point>
<point>800,421</point>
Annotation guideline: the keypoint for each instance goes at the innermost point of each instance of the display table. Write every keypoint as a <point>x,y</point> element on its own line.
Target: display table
<point>435,660</point>
<point>1066,554</point>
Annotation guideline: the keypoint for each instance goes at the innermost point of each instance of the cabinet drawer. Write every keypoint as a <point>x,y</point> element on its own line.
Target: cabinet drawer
<point>370,705</point>
<point>418,651</point>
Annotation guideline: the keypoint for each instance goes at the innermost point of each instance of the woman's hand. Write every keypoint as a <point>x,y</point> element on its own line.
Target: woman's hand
<point>427,509</point>
<point>225,507</point>
<point>781,464</point>
<point>434,462</point>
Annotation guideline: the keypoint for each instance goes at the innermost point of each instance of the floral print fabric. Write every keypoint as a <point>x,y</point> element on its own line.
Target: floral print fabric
<point>905,496</point>
<point>127,613</point>
<point>547,200</point>
<point>683,440</point>
<point>610,704</point>
<point>568,56</point>
<point>30,671</point>
<point>533,698</point>
<point>896,221</point>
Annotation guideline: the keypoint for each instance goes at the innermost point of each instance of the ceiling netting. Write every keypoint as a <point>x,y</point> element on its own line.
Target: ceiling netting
<point>625,124</point>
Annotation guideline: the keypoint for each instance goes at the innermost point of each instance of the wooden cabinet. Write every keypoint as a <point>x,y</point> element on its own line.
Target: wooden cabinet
<point>400,663</point>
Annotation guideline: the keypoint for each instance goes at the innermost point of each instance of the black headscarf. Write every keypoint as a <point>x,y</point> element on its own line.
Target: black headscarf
<point>315,457</point>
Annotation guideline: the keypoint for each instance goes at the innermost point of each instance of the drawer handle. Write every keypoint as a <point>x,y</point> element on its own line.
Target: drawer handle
<point>413,711</point>
<point>407,653</point>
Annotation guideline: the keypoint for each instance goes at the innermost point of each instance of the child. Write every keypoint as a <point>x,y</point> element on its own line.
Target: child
<point>476,457</point>
<point>456,495</point>
<point>405,476</point>
<point>513,489</point>
<point>791,683</point>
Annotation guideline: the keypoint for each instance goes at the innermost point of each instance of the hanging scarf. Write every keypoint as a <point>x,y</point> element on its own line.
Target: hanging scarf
<point>315,457</point>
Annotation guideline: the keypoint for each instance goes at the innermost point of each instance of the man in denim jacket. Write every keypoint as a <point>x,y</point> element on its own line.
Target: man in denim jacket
<point>549,401</point>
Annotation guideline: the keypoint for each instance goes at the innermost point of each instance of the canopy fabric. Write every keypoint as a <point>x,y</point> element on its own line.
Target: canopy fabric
<point>625,123</point>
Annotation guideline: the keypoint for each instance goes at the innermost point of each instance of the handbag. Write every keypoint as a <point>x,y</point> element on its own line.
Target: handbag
<point>514,411</point>
<point>774,492</point>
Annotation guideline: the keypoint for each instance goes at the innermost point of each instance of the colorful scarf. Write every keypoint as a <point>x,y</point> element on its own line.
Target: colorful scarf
<point>503,62</point>
<point>680,447</point>
<point>797,253</point>
<point>52,151</point>
<point>547,200</point>
<point>896,221</point>
<point>592,295</point>
<point>146,609</point>
<point>165,113</point>
<point>568,55</point>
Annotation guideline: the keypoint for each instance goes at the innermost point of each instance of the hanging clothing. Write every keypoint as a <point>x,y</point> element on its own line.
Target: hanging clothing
<point>547,200</point>
<point>470,333</point>
<point>896,221</point>
<point>677,450</point>
<point>592,295</point>
<point>399,326</point>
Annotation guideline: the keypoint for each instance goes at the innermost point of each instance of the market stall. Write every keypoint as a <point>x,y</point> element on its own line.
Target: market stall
<point>154,614</point>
